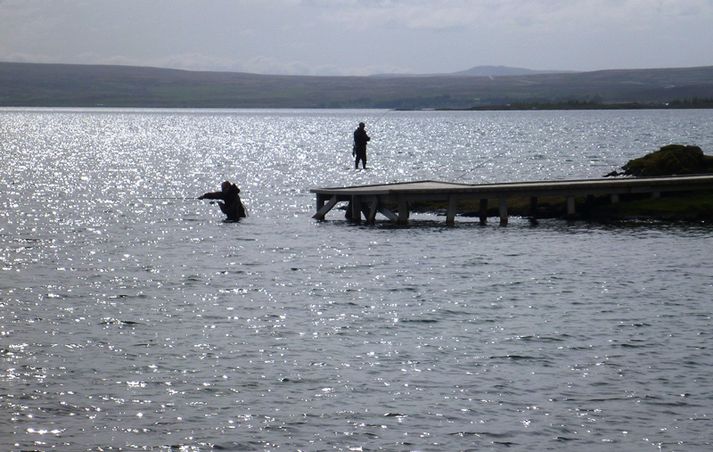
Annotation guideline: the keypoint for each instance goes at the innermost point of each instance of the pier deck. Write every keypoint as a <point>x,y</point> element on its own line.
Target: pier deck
<point>373,199</point>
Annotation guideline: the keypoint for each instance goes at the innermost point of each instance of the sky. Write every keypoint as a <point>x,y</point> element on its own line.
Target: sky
<point>359,37</point>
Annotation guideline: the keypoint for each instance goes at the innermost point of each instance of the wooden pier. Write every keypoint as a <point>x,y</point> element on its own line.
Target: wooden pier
<point>393,200</point>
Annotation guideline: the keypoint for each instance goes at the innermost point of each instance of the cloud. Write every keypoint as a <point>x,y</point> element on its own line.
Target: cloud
<point>269,65</point>
<point>344,37</point>
<point>410,15</point>
<point>455,14</point>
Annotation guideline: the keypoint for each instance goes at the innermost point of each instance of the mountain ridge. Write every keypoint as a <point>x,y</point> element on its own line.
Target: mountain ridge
<point>68,85</point>
<point>481,71</point>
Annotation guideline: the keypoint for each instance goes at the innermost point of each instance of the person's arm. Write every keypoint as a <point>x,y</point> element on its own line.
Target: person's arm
<point>212,195</point>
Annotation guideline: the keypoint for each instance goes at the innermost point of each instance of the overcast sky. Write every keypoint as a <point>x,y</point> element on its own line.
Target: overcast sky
<point>359,37</point>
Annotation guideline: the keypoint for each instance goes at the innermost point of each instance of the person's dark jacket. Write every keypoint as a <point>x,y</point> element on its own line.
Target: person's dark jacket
<point>360,140</point>
<point>232,206</point>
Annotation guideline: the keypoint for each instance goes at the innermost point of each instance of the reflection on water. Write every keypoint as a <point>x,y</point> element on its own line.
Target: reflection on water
<point>131,316</point>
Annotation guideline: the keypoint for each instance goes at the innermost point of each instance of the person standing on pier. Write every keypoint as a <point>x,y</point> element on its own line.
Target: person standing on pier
<point>360,140</point>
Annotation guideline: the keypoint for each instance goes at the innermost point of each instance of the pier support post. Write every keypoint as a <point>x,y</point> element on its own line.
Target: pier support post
<point>503,208</point>
<point>533,206</point>
<point>373,207</point>
<point>356,209</point>
<point>323,208</point>
<point>570,208</point>
<point>451,213</point>
<point>533,210</point>
<point>403,210</point>
<point>614,198</point>
<point>388,213</point>
<point>483,214</point>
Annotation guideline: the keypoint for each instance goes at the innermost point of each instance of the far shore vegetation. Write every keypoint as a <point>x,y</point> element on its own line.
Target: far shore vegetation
<point>574,104</point>
<point>72,85</point>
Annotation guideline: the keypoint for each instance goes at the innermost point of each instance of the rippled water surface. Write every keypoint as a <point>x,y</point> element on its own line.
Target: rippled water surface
<point>132,317</point>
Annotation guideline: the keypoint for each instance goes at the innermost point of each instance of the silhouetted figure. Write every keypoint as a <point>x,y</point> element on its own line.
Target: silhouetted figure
<point>231,206</point>
<point>360,140</point>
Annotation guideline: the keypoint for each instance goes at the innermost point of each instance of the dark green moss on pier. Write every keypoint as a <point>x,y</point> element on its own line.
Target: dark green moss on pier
<point>685,207</point>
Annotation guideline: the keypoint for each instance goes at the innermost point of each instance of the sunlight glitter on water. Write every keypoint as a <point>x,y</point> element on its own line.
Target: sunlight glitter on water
<point>134,317</point>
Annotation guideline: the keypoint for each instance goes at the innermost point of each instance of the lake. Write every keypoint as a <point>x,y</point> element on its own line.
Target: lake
<point>132,317</point>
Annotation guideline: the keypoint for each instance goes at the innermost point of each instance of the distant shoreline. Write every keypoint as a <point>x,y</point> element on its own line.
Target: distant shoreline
<point>523,107</point>
<point>63,85</point>
<point>694,104</point>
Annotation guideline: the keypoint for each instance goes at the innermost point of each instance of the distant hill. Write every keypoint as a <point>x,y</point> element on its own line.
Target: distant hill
<point>61,85</point>
<point>480,71</point>
<point>503,71</point>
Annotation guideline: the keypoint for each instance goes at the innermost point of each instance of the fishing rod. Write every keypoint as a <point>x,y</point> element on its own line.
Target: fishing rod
<point>169,198</point>
<point>378,119</point>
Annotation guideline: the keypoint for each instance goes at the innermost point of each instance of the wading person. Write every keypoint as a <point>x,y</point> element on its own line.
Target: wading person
<point>360,140</point>
<point>231,206</point>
